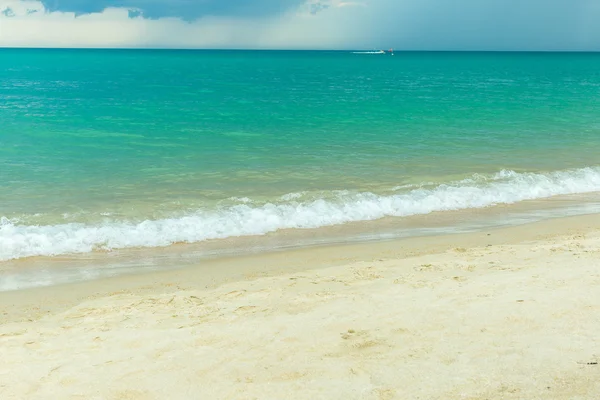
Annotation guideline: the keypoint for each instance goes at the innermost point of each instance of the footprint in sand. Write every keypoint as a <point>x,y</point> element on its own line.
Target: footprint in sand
<point>360,340</point>
<point>233,294</point>
<point>428,267</point>
<point>366,274</point>
<point>243,310</point>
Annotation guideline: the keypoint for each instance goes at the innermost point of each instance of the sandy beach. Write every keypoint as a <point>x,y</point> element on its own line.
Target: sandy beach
<point>511,313</point>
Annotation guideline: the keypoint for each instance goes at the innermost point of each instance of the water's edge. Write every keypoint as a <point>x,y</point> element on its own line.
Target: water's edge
<point>48,271</point>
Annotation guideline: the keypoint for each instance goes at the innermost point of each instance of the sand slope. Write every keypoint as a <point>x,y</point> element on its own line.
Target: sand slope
<point>498,322</point>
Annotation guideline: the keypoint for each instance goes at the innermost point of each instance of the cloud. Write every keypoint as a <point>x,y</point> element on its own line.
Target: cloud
<point>126,27</point>
<point>184,9</point>
<point>319,24</point>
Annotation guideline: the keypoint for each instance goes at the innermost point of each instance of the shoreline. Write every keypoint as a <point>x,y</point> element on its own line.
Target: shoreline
<point>210,273</point>
<point>41,271</point>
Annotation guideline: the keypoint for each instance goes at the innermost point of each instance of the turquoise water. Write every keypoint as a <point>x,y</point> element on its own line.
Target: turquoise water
<point>109,149</point>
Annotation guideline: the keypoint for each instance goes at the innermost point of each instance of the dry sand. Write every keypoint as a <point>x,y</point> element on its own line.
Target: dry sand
<point>512,315</point>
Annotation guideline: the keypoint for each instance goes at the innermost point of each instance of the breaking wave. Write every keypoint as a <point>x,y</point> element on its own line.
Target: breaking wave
<point>248,218</point>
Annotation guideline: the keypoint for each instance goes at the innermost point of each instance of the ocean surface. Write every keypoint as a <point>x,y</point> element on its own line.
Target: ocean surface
<point>108,151</point>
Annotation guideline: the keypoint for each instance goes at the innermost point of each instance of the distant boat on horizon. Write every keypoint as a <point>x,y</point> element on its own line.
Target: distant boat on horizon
<point>391,51</point>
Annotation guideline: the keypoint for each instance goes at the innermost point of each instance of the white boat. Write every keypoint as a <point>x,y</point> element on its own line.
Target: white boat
<point>391,52</point>
<point>369,52</point>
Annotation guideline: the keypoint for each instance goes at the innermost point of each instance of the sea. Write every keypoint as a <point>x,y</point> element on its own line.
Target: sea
<point>123,161</point>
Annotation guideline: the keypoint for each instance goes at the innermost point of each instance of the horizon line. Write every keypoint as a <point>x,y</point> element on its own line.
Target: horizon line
<point>294,50</point>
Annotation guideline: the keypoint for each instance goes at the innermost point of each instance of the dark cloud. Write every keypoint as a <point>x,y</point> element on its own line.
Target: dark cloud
<point>184,9</point>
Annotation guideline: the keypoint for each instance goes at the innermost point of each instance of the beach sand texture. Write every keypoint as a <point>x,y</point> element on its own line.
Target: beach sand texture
<point>511,321</point>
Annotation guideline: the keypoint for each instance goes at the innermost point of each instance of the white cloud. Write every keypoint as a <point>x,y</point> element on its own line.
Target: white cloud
<point>114,28</point>
<point>403,24</point>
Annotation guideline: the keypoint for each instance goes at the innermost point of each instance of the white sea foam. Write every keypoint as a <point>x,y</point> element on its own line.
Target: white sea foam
<point>505,187</point>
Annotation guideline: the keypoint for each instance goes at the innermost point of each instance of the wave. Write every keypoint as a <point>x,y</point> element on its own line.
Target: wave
<point>248,218</point>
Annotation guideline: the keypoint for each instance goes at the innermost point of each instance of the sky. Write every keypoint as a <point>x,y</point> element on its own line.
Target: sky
<point>544,25</point>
